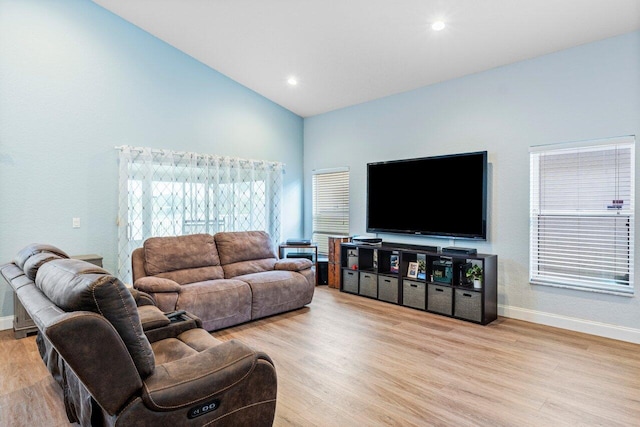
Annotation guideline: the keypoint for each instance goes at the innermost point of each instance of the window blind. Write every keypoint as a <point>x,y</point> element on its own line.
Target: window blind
<point>582,215</point>
<point>330,207</point>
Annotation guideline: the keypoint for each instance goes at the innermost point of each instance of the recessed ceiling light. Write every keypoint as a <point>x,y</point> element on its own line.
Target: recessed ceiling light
<point>292,81</point>
<point>437,26</point>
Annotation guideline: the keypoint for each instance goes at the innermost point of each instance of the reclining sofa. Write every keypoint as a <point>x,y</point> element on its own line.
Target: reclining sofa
<point>122,362</point>
<point>224,279</point>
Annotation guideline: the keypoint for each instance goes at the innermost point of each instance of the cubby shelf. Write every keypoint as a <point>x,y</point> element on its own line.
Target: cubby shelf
<point>440,286</point>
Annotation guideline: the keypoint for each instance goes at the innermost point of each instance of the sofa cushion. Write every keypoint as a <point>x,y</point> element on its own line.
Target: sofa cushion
<point>186,344</point>
<point>75,285</point>
<point>171,349</point>
<point>192,275</point>
<point>248,267</point>
<point>217,368</point>
<point>194,251</point>
<point>218,303</point>
<point>244,252</point>
<point>277,291</point>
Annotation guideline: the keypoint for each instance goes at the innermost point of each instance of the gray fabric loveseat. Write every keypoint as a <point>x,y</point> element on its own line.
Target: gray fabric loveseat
<point>225,279</point>
<point>122,362</point>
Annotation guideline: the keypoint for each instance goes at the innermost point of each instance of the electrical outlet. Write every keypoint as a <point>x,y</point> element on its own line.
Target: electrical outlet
<point>76,222</point>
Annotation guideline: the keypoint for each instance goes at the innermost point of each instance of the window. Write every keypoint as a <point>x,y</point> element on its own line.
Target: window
<point>330,206</point>
<point>582,215</point>
<point>164,193</point>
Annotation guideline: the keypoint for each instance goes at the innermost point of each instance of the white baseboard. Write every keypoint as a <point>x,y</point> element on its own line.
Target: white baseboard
<point>6,322</point>
<point>579,325</point>
<point>571,323</point>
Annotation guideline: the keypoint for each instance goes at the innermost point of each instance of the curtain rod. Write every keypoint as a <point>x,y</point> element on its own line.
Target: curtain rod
<point>185,153</point>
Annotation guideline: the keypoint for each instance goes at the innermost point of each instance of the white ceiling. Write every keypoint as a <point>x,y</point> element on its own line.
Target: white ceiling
<point>344,52</point>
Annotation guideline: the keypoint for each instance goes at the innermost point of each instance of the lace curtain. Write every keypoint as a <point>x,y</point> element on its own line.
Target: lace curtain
<point>168,193</point>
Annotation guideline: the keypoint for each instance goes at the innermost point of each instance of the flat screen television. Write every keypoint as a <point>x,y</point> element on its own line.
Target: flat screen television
<point>441,196</point>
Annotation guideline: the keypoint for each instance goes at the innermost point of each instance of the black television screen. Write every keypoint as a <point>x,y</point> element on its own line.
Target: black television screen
<point>442,196</point>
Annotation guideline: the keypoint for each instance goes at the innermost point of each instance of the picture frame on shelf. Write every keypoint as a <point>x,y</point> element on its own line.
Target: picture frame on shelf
<point>394,263</point>
<point>412,271</point>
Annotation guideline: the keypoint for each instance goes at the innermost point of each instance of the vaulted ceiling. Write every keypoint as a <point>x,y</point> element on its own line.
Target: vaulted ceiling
<point>345,52</point>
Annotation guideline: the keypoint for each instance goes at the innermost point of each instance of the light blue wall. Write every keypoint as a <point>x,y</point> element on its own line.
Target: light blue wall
<point>76,81</point>
<point>588,92</point>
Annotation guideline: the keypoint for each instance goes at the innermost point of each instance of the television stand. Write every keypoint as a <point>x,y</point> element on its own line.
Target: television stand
<point>423,278</point>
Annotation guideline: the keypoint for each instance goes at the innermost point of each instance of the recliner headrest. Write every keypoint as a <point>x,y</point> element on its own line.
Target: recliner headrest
<point>34,249</point>
<point>34,262</point>
<point>76,285</point>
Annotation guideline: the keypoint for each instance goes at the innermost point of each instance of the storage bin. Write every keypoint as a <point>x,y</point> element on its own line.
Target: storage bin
<point>414,294</point>
<point>368,284</point>
<point>440,299</point>
<point>388,289</point>
<point>468,305</point>
<point>350,281</point>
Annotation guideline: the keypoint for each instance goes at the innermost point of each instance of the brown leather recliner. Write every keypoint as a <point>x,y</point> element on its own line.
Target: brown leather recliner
<point>124,365</point>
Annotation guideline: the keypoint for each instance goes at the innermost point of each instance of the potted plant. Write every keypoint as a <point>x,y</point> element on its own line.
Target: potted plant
<point>475,273</point>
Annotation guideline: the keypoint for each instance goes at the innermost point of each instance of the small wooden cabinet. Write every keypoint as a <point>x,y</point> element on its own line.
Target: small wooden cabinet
<point>334,260</point>
<point>438,283</point>
<point>23,324</point>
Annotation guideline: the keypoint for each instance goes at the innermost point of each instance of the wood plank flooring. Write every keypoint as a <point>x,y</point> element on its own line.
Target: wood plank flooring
<point>351,361</point>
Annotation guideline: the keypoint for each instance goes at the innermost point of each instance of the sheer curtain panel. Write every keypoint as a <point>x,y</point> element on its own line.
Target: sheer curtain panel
<point>168,193</point>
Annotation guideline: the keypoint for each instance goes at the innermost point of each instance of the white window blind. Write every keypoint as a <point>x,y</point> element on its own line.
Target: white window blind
<point>330,206</point>
<point>582,215</point>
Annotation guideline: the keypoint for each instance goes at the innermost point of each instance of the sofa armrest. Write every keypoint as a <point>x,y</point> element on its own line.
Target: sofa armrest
<point>195,379</point>
<point>152,318</point>
<point>293,264</point>
<point>152,284</point>
<point>95,352</point>
<point>142,298</point>
<point>170,329</point>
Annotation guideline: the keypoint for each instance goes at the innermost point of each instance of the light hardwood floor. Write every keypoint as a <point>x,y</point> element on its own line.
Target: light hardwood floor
<point>352,361</point>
